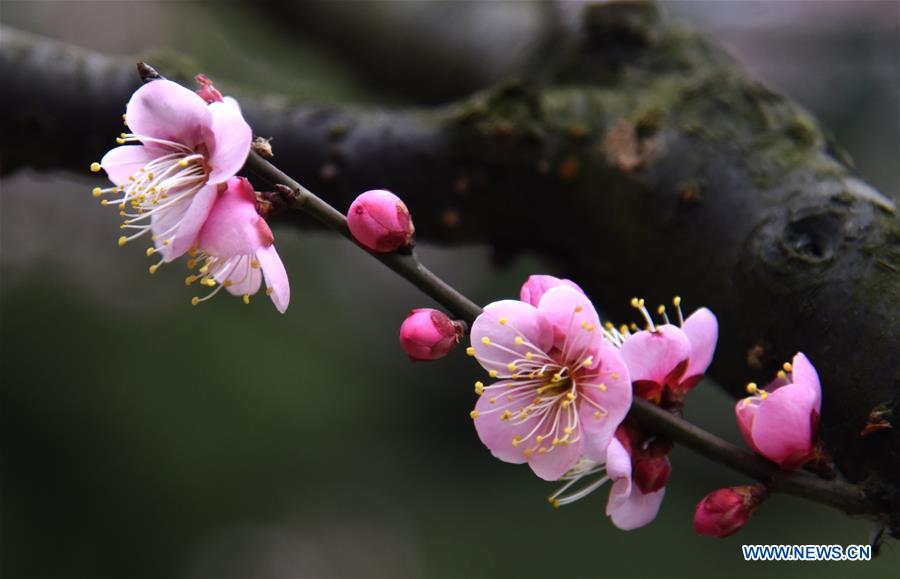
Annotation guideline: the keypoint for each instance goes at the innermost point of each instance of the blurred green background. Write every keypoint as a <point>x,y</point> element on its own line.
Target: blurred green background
<point>145,438</point>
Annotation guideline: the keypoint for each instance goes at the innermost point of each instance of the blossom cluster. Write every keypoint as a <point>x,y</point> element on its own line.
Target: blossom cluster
<point>175,178</point>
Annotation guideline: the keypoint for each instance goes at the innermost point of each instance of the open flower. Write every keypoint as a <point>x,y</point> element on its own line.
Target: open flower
<point>780,421</point>
<point>665,358</point>
<point>237,251</point>
<point>536,286</point>
<point>167,182</point>
<point>561,388</point>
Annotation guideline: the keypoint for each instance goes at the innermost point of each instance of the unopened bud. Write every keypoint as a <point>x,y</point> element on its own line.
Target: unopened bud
<point>380,221</point>
<point>207,91</point>
<point>428,334</point>
<point>723,512</point>
<point>537,285</point>
<point>651,474</point>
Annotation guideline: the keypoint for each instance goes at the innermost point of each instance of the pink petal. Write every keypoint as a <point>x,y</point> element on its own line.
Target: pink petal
<point>166,110</point>
<point>537,285</point>
<point>654,356</point>
<point>574,319</point>
<point>187,217</point>
<point>745,412</point>
<point>805,373</point>
<point>618,467</point>
<point>557,462</point>
<point>497,434</point>
<point>782,429</point>
<point>636,510</point>
<point>228,139</point>
<point>521,320</point>
<point>609,369</point>
<point>123,162</point>
<point>245,279</point>
<point>276,277</point>
<point>233,226</point>
<point>702,329</point>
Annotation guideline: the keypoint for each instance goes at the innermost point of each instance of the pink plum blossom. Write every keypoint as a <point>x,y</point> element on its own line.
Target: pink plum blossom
<point>380,221</point>
<point>780,421</point>
<point>723,512</point>
<point>237,251</point>
<point>561,389</point>
<point>666,359</point>
<point>537,285</point>
<point>168,169</point>
<point>428,334</point>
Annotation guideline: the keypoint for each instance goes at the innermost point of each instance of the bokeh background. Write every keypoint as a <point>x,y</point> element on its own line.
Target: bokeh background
<point>145,438</point>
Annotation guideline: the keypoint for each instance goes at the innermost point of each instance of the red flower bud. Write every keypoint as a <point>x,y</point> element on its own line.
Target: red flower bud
<point>207,91</point>
<point>723,512</point>
<point>651,474</point>
<point>428,334</point>
<point>380,221</point>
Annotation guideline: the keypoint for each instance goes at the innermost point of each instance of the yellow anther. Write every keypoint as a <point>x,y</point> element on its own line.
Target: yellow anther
<point>584,325</point>
<point>152,269</point>
<point>556,378</point>
<point>676,301</point>
<point>190,279</point>
<point>492,400</point>
<point>601,387</point>
<point>506,415</point>
<point>192,252</point>
<point>579,309</point>
<point>568,430</point>
<point>492,373</point>
<point>209,282</point>
<point>167,242</point>
<point>104,202</point>
<point>519,341</point>
<point>511,366</point>
<point>486,341</point>
<point>254,264</point>
<point>246,298</point>
<point>570,396</point>
<point>269,290</point>
<point>554,502</point>
<point>150,251</point>
<point>528,452</point>
<point>479,388</point>
<point>565,403</point>
<point>183,163</point>
<point>752,388</point>
<point>588,362</point>
<point>539,438</point>
<point>635,303</point>
<point>474,414</point>
<point>502,321</point>
<point>195,300</point>
<point>204,269</point>
<point>470,351</point>
<point>661,309</point>
<point>609,326</point>
<point>542,450</point>
<point>633,327</point>
<point>781,375</point>
<point>97,191</point>
<point>555,441</point>
<point>529,356</point>
<point>763,394</point>
<point>515,376</point>
<point>191,263</point>
<point>787,367</point>
<point>516,440</point>
<point>95,167</point>
<point>120,140</point>
<point>597,414</point>
<point>623,329</point>
<point>615,375</point>
<point>122,241</point>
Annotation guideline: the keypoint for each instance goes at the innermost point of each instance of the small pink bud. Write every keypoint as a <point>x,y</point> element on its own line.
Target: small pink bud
<point>207,91</point>
<point>428,334</point>
<point>380,221</point>
<point>537,285</point>
<point>723,512</point>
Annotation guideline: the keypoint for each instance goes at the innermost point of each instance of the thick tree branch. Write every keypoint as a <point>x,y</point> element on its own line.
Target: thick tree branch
<point>650,166</point>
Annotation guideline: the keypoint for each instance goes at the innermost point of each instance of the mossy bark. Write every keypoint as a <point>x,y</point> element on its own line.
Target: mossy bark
<point>650,166</point>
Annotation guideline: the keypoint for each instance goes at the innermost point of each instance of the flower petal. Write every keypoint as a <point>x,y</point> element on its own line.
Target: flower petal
<point>181,223</point>
<point>557,462</point>
<point>498,434</point>
<point>228,140</point>
<point>782,428</point>
<point>495,342</point>
<point>607,385</point>
<point>233,226</point>
<point>635,510</point>
<point>276,277</point>
<point>574,319</point>
<point>123,162</point>
<point>245,279</point>
<point>166,110</point>
<point>654,356</point>
<point>745,412</point>
<point>618,465</point>
<point>805,373</point>
<point>537,285</point>
<point>702,329</point>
